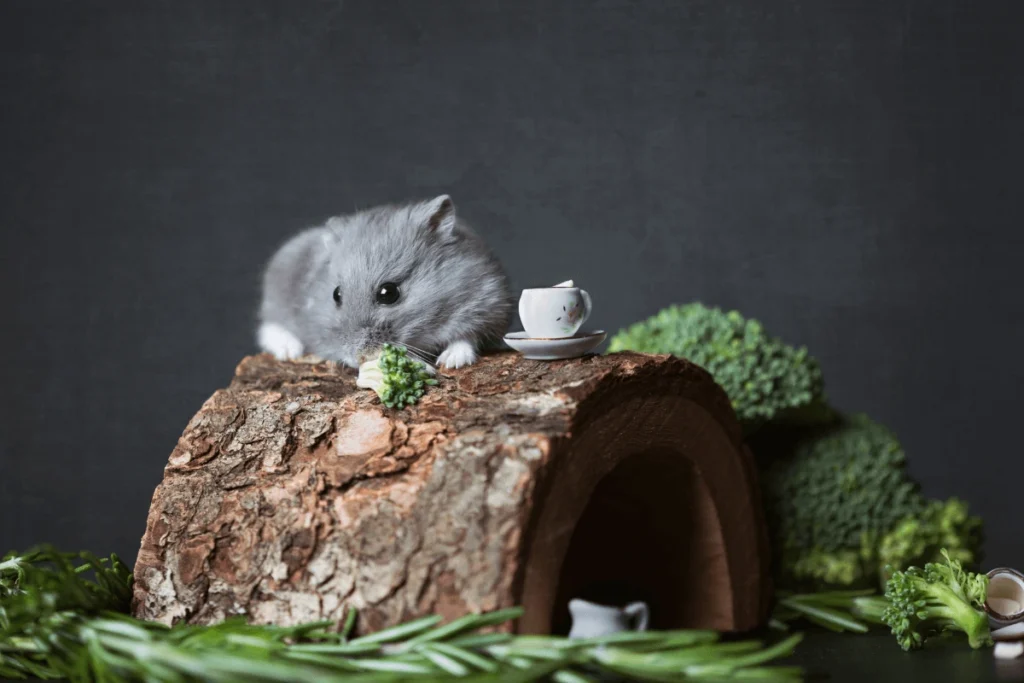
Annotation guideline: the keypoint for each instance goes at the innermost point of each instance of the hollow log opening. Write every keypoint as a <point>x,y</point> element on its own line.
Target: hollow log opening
<point>650,500</point>
<point>650,532</point>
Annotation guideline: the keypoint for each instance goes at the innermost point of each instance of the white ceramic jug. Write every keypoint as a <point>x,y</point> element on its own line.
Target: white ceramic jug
<point>590,620</point>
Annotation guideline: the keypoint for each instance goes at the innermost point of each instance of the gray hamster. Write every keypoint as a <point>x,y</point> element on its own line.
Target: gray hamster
<point>413,275</point>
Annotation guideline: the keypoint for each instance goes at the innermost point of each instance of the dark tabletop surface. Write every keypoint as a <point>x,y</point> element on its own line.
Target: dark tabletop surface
<point>875,657</point>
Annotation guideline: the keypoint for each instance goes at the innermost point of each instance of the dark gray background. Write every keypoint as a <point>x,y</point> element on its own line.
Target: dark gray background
<point>848,172</point>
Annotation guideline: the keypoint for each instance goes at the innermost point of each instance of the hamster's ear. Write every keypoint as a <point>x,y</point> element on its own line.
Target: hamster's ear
<point>438,215</point>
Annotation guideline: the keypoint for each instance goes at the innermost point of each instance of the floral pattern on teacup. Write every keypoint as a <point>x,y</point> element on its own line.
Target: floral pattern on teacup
<point>572,315</point>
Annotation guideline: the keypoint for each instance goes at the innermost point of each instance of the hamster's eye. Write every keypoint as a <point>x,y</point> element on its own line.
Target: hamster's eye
<point>388,294</point>
<point>337,295</point>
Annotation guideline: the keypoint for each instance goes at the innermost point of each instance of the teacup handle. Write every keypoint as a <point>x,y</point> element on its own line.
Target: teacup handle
<point>586,305</point>
<point>637,612</point>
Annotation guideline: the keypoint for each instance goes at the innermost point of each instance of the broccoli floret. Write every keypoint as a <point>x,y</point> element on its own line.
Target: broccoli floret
<point>398,380</point>
<point>942,525</point>
<point>940,597</point>
<point>764,378</point>
<point>915,540</point>
<point>833,495</point>
<point>839,568</point>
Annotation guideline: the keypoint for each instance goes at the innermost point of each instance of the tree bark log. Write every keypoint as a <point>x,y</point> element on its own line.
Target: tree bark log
<point>292,496</point>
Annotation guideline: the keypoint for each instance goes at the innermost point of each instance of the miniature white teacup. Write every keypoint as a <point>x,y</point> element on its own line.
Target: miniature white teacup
<point>553,312</point>
<point>590,620</point>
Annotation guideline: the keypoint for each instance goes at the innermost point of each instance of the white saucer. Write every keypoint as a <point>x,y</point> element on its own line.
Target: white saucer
<point>555,349</point>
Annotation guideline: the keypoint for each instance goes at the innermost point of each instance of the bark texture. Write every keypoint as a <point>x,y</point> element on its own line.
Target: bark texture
<point>292,496</point>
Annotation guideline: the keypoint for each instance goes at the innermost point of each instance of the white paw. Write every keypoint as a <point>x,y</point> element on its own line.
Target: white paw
<point>278,341</point>
<point>457,354</point>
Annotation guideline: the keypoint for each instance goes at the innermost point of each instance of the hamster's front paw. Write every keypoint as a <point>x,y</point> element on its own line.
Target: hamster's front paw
<point>278,341</point>
<point>457,354</point>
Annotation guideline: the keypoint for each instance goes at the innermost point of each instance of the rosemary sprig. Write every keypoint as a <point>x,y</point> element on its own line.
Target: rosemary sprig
<point>840,611</point>
<point>62,615</point>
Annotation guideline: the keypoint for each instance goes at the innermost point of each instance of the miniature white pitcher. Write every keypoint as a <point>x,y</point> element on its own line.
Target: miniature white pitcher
<point>590,620</point>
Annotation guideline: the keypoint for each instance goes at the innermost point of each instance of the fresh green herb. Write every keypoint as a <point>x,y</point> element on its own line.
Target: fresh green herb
<point>839,611</point>
<point>61,616</point>
<point>940,597</point>
<point>45,599</point>
<point>399,380</point>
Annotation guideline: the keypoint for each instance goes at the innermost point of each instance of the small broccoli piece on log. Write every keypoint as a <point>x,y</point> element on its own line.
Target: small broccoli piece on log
<point>399,381</point>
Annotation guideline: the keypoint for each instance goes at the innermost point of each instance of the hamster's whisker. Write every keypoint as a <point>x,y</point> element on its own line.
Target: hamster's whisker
<point>427,361</point>
<point>414,355</point>
<point>417,354</point>
<point>422,352</point>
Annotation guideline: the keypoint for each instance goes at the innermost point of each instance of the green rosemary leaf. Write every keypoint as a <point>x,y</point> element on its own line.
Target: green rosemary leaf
<point>392,666</point>
<point>350,623</point>
<point>824,613</point>
<point>838,611</point>
<point>530,665</point>
<point>443,661</point>
<point>783,648</point>
<point>481,639</point>
<point>466,623</point>
<point>398,632</point>
<point>568,676</point>
<point>325,661</point>
<point>337,649</point>
<point>521,651</point>
<point>525,671</point>
<point>653,639</point>
<point>467,656</point>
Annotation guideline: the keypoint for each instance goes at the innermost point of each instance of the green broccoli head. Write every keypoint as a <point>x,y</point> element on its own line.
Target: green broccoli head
<point>846,567</point>
<point>764,378</point>
<point>940,597</point>
<point>398,380</point>
<point>835,493</point>
<point>942,526</point>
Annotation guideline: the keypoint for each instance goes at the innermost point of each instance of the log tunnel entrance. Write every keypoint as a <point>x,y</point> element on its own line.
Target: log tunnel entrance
<point>650,532</point>
<point>650,500</point>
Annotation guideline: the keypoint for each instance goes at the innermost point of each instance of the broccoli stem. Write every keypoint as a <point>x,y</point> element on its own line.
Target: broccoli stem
<point>953,613</point>
<point>940,597</point>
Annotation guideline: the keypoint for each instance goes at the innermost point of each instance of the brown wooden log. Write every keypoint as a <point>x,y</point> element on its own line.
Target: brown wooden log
<point>292,496</point>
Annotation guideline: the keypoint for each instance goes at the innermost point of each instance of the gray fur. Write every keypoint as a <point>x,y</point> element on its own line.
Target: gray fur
<point>452,288</point>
